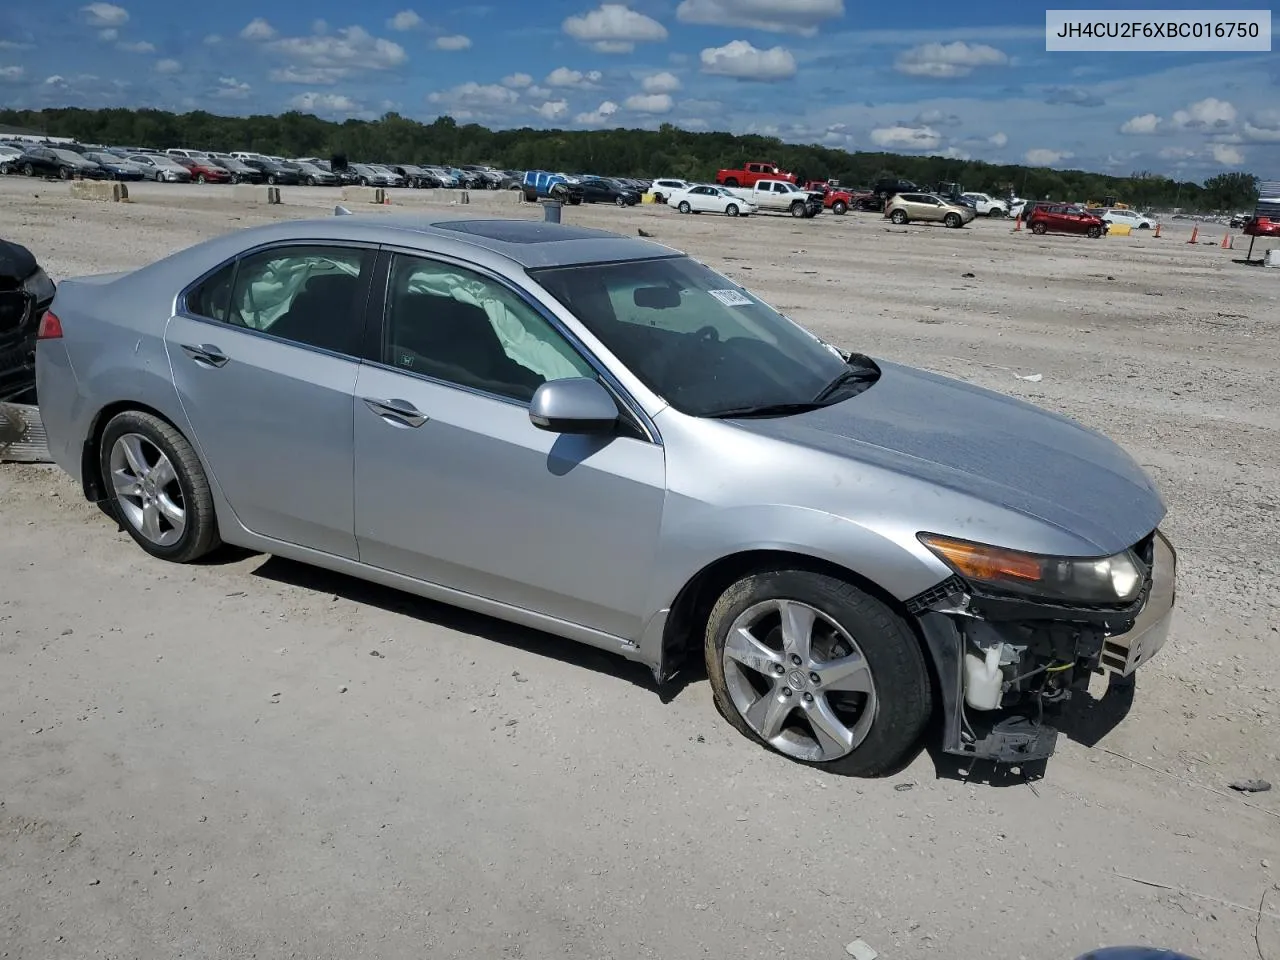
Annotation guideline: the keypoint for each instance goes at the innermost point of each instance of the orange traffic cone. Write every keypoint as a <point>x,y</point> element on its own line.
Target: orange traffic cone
<point>1195,234</point>
<point>1226,241</point>
<point>1017,225</point>
<point>1157,233</point>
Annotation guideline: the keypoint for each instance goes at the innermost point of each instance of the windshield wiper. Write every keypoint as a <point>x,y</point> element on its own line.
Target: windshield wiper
<point>765,410</point>
<point>866,373</point>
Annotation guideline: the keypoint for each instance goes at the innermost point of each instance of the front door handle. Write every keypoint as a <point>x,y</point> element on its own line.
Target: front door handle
<point>205,353</point>
<point>399,411</point>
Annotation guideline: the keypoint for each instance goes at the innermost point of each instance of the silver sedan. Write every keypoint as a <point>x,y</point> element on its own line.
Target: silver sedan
<point>605,439</point>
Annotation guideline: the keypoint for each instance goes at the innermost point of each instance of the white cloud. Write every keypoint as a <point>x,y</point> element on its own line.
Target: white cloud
<point>552,109</point>
<point>998,139</point>
<point>168,65</point>
<point>404,20</point>
<point>57,80</point>
<point>110,33</point>
<point>1177,153</point>
<point>537,92</point>
<point>614,28</point>
<point>305,76</point>
<point>934,117</point>
<point>902,137</point>
<point>739,59</point>
<point>598,116</point>
<point>955,153</point>
<point>212,40</point>
<point>455,42</point>
<point>943,60</point>
<point>105,15</point>
<point>1142,125</point>
<point>1209,112</point>
<point>258,29</point>
<point>339,54</point>
<point>564,77</point>
<point>229,88</point>
<point>472,96</point>
<point>1226,155</point>
<point>649,103</point>
<point>1263,127</point>
<point>661,83</point>
<point>776,16</point>
<point>517,80</point>
<point>1043,157</point>
<point>137,46</point>
<point>312,102</point>
<point>12,73</point>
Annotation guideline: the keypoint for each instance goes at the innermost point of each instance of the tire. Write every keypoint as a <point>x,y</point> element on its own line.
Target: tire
<point>311,181</point>
<point>659,198</point>
<point>28,170</point>
<point>684,207</point>
<point>953,221</point>
<point>731,210</point>
<point>732,182</point>
<point>798,209</point>
<point>839,208</point>
<point>1039,229</point>
<point>995,212</point>
<point>876,727</point>
<point>202,179</point>
<point>1144,226</point>
<point>620,200</point>
<point>65,173</point>
<point>899,217</point>
<point>130,434</point>
<point>1094,233</point>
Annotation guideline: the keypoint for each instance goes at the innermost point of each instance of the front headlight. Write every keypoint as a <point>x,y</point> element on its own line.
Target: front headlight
<point>1115,579</point>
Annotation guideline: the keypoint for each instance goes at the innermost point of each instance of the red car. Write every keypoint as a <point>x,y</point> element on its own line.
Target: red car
<point>1261,227</point>
<point>1065,218</point>
<point>204,172</point>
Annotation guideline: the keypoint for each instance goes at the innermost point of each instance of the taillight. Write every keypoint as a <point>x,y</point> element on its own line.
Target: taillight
<point>50,327</point>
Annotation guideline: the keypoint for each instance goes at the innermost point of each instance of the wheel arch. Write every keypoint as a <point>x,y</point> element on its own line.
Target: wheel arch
<point>91,479</point>
<point>682,632</point>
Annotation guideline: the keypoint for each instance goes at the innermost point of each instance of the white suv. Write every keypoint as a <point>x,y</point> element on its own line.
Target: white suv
<point>1131,217</point>
<point>987,206</point>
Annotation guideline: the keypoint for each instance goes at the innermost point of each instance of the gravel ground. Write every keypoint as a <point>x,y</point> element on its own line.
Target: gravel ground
<point>183,777</point>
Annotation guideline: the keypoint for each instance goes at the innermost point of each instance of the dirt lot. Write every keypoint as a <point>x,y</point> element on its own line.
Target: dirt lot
<point>180,775</point>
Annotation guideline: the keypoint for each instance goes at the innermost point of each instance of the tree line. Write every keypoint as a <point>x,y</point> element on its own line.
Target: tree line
<point>667,151</point>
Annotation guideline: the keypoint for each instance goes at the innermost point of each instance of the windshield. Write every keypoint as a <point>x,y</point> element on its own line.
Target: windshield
<point>695,338</point>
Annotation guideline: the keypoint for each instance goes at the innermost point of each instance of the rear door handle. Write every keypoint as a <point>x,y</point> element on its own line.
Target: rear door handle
<point>205,353</point>
<point>398,411</point>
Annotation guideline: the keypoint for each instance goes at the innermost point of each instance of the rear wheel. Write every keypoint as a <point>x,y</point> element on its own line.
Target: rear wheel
<point>28,170</point>
<point>684,207</point>
<point>731,210</point>
<point>1039,229</point>
<point>818,670</point>
<point>156,487</point>
<point>995,212</point>
<point>620,200</point>
<point>731,182</point>
<point>65,173</point>
<point>899,217</point>
<point>202,179</point>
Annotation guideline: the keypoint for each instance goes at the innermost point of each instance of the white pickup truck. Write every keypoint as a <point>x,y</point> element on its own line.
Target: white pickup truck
<point>780,196</point>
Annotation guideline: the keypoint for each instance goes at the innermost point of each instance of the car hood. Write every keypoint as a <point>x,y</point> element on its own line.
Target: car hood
<point>987,445</point>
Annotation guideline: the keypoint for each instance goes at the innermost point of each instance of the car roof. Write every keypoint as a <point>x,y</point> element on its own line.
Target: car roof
<point>531,244</point>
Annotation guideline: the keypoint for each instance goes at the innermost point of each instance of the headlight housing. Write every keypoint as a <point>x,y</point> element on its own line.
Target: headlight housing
<point>1117,579</point>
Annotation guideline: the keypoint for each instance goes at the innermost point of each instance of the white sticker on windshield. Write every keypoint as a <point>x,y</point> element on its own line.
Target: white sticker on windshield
<point>731,298</point>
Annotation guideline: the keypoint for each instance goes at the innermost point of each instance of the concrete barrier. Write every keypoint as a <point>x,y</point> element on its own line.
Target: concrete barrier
<point>364,194</point>
<point>99,190</point>
<point>252,193</point>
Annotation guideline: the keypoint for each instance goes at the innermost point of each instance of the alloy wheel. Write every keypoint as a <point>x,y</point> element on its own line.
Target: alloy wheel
<point>799,680</point>
<point>148,490</point>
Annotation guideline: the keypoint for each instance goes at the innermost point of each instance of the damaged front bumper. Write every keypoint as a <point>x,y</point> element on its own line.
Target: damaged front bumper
<point>1045,653</point>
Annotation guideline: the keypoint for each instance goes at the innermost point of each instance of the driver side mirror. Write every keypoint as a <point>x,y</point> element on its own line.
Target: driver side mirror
<point>575,405</point>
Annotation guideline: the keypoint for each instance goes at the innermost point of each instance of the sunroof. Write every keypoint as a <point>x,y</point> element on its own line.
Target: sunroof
<point>522,231</point>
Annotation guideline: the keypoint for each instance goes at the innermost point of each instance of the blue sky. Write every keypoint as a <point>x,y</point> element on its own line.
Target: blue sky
<point>965,80</point>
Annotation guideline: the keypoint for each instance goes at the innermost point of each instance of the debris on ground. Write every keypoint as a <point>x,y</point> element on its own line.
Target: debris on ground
<point>904,787</point>
<point>375,653</point>
<point>860,950</point>
<point>1030,377</point>
<point>1251,786</point>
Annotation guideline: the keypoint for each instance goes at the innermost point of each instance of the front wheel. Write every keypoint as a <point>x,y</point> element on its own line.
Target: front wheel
<point>28,170</point>
<point>839,208</point>
<point>1039,229</point>
<point>157,488</point>
<point>731,210</point>
<point>65,173</point>
<point>1094,233</point>
<point>684,206</point>
<point>798,209</point>
<point>818,670</point>
<point>899,217</point>
<point>202,179</point>
<point>312,181</point>
<point>952,220</point>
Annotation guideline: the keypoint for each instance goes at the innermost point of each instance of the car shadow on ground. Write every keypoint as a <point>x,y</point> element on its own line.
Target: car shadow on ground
<point>1084,719</point>
<point>478,625</point>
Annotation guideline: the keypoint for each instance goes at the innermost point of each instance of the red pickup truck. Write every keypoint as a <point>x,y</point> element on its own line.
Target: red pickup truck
<point>835,199</point>
<point>751,172</point>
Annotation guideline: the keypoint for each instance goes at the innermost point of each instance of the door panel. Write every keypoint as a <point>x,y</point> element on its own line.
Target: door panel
<point>478,499</point>
<point>274,426</point>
